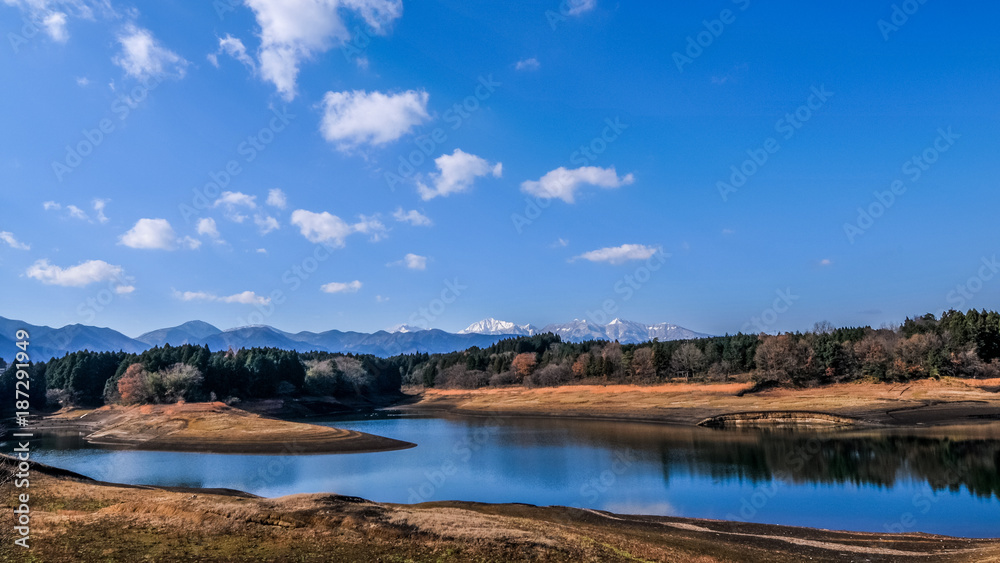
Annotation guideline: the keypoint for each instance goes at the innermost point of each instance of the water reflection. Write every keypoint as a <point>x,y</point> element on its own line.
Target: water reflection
<point>856,480</point>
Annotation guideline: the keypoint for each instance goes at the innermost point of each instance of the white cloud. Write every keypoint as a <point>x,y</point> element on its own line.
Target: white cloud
<point>563,184</point>
<point>8,238</point>
<point>411,261</point>
<point>261,251</point>
<point>85,273</point>
<point>291,32</point>
<point>456,173</point>
<point>52,16</point>
<point>560,242</point>
<point>55,26</point>
<point>99,205</point>
<point>578,7</point>
<point>413,217</point>
<point>244,298</point>
<point>124,289</point>
<point>142,56</point>
<point>82,81</point>
<point>339,287</point>
<point>327,228</point>
<point>265,223</point>
<point>277,198</point>
<point>208,227</point>
<point>156,234</point>
<point>381,299</point>
<point>528,64</point>
<point>372,226</point>
<point>190,242</point>
<point>77,213</point>
<point>232,201</point>
<point>235,48</point>
<point>619,254</point>
<point>355,118</point>
<point>825,262</point>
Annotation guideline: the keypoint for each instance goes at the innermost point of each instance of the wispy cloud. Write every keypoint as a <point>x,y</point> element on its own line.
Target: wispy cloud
<point>341,287</point>
<point>411,261</point>
<point>8,238</point>
<point>243,298</point>
<point>619,254</point>
<point>563,184</point>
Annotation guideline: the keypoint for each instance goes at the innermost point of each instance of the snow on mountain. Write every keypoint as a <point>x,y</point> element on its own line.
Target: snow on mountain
<point>404,328</point>
<point>579,330</point>
<point>495,327</point>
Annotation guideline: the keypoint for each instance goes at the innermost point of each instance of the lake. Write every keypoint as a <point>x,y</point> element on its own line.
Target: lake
<point>858,480</point>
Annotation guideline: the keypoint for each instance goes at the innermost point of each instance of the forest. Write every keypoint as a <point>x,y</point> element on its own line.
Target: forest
<point>957,344</point>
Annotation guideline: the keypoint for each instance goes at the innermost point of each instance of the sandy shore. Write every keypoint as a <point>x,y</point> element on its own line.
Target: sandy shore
<point>920,403</point>
<point>77,519</point>
<point>211,428</point>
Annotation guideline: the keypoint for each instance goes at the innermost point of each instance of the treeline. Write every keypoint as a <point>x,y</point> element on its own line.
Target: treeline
<point>194,373</point>
<point>958,344</point>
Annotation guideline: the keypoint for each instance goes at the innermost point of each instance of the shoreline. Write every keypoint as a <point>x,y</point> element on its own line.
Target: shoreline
<point>74,513</point>
<point>210,428</point>
<point>921,404</point>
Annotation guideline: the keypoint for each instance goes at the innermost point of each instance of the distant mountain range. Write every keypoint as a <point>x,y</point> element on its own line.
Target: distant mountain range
<point>47,342</point>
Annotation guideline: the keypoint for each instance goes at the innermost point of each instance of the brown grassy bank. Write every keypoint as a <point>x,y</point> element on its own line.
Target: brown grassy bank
<point>924,402</point>
<point>212,427</point>
<point>77,519</point>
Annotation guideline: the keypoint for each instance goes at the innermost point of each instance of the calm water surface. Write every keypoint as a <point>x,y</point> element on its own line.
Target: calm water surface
<point>859,480</point>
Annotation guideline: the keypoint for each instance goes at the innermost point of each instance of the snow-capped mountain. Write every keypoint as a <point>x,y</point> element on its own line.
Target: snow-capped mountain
<point>579,330</point>
<point>494,327</point>
<point>50,342</point>
<point>404,328</point>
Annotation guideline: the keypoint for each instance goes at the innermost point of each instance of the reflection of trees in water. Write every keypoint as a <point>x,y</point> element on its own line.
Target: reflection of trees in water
<point>941,462</point>
<point>764,455</point>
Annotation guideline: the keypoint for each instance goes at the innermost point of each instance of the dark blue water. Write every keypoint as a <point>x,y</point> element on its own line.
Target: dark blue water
<point>860,481</point>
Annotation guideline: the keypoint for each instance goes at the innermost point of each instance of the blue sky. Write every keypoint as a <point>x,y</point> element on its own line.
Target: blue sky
<point>563,161</point>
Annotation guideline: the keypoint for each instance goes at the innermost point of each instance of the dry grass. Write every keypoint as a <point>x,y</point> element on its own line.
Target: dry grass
<point>215,427</point>
<point>931,401</point>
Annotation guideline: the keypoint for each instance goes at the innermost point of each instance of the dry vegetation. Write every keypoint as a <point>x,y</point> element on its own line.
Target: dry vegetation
<point>949,400</point>
<point>214,427</point>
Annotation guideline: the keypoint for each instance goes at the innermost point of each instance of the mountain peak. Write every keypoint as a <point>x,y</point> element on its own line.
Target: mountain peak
<point>494,327</point>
